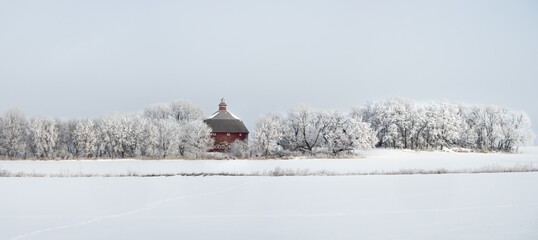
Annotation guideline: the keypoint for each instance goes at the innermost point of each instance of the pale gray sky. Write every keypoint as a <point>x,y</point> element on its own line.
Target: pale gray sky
<point>88,58</point>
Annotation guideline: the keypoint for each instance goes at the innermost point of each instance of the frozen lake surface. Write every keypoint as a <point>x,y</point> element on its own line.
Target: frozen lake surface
<point>375,161</point>
<point>447,206</point>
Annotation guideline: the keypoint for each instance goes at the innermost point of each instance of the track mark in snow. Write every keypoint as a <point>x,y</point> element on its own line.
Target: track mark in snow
<point>149,207</point>
<point>333,214</point>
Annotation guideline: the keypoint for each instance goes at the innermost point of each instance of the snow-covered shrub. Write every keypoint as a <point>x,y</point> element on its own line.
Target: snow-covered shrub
<point>240,149</point>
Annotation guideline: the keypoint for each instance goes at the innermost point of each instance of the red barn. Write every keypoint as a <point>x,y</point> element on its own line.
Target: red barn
<point>226,128</point>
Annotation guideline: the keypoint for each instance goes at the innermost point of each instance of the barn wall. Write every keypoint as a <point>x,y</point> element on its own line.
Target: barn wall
<point>222,139</point>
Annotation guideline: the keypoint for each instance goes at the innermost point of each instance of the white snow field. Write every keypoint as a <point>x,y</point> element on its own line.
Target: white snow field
<point>445,206</point>
<point>419,206</point>
<point>374,162</point>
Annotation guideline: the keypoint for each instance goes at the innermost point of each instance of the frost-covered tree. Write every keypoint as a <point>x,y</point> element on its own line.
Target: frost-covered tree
<point>13,132</point>
<point>66,145</point>
<point>176,130</point>
<point>496,128</point>
<point>240,149</point>
<point>445,125</point>
<point>270,130</point>
<point>305,127</point>
<point>403,124</point>
<point>129,133</point>
<point>106,128</point>
<point>515,131</point>
<point>118,136</point>
<point>195,139</point>
<point>148,138</point>
<point>344,134</point>
<point>86,137</point>
<point>43,135</point>
<point>377,115</point>
<point>167,137</point>
<point>103,138</point>
<point>484,122</point>
<point>309,130</point>
<point>398,122</point>
<point>157,111</point>
<point>184,111</point>
<point>121,136</point>
<point>138,135</point>
<point>408,119</point>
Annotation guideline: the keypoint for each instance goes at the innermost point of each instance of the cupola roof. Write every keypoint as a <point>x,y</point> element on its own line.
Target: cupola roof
<point>223,121</point>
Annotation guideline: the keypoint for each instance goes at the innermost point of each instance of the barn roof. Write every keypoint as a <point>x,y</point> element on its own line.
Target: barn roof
<point>223,121</point>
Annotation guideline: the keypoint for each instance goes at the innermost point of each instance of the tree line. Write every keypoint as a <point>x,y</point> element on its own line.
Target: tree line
<point>176,130</point>
<point>392,123</point>
<point>172,130</point>
<point>401,123</point>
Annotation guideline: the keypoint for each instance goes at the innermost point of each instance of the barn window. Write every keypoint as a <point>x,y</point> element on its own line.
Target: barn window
<point>240,134</point>
<point>228,134</point>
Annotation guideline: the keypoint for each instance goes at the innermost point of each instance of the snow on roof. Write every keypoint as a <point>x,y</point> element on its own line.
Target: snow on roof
<point>224,121</point>
<point>233,115</point>
<point>223,114</point>
<point>214,114</point>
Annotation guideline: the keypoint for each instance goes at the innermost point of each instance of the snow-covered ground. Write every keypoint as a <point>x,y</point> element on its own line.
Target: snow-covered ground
<point>448,206</point>
<point>375,161</point>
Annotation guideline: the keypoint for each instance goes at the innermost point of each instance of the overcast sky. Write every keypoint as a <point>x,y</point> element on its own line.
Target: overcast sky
<point>67,59</point>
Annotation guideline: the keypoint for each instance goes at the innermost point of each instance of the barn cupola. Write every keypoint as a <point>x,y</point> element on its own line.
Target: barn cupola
<point>222,105</point>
